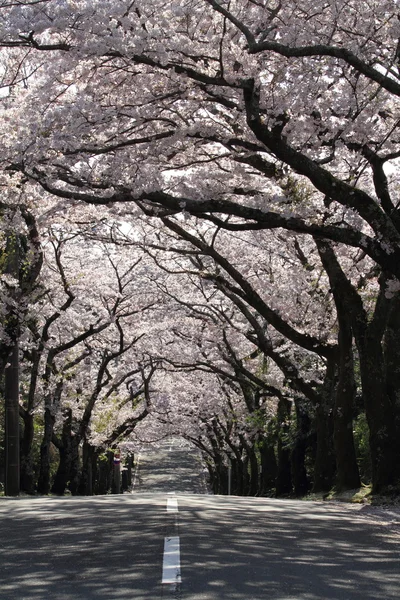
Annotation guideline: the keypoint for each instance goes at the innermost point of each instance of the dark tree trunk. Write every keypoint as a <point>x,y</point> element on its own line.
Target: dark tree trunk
<point>369,334</point>
<point>11,428</point>
<point>104,467</point>
<point>129,469</point>
<point>254,472</point>
<point>246,476</point>
<point>284,474</point>
<point>45,448</point>
<point>347,473</point>
<point>268,466</point>
<point>212,476</point>
<point>238,479</point>
<point>65,453</point>
<point>301,483</point>
<point>85,487</point>
<point>219,479</point>
<point>324,466</point>
<point>325,462</point>
<point>383,438</point>
<point>392,362</point>
<point>74,466</point>
<point>27,466</point>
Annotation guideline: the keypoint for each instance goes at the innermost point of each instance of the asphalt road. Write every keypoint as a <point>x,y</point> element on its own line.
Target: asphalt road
<point>230,548</point>
<point>173,465</point>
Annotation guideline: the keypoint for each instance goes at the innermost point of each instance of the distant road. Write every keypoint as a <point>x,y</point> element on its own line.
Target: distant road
<point>181,546</point>
<point>174,465</point>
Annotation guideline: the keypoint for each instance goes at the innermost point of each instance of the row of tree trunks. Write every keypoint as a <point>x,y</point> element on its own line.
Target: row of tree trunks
<point>376,338</point>
<point>275,463</point>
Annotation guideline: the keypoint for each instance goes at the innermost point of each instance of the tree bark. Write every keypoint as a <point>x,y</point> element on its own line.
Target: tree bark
<point>391,350</point>
<point>11,429</point>
<point>268,466</point>
<point>104,466</point>
<point>347,473</point>
<point>325,463</point>
<point>301,483</point>
<point>254,471</point>
<point>85,487</point>
<point>65,456</point>
<point>284,473</point>
<point>383,439</point>
<point>27,467</point>
<point>44,472</point>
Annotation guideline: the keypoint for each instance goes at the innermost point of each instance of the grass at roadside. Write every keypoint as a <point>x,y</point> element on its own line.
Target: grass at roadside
<point>362,495</point>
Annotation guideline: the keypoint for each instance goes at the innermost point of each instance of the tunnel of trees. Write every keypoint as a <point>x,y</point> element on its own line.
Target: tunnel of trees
<point>200,236</point>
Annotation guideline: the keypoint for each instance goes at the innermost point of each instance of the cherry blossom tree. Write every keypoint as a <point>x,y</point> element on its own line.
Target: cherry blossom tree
<point>247,115</point>
<point>80,350</point>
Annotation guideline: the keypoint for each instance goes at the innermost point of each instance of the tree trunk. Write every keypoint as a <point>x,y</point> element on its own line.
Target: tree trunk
<point>301,483</point>
<point>268,466</point>
<point>44,473</point>
<point>254,471</point>
<point>284,474</point>
<point>383,438</point>
<point>74,466</point>
<point>104,467</point>
<point>238,479</point>
<point>347,473</point>
<point>325,462</point>
<point>392,362</point>
<point>369,334</point>
<point>65,451</point>
<point>86,479</point>
<point>11,429</point>
<point>27,467</point>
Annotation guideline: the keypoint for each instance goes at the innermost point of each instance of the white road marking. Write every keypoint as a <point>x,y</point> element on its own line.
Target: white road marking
<point>172,505</point>
<point>171,572</point>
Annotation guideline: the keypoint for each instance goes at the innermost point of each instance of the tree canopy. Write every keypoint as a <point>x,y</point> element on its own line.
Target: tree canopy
<point>238,159</point>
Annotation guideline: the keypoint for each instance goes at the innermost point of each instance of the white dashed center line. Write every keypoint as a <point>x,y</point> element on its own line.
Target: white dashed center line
<point>172,561</point>
<point>172,505</point>
<point>171,572</point>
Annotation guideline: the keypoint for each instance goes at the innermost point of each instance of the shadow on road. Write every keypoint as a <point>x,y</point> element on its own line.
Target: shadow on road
<point>63,549</point>
<point>247,548</point>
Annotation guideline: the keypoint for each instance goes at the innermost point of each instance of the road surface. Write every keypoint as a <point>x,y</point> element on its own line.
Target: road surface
<point>174,465</point>
<point>151,546</point>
